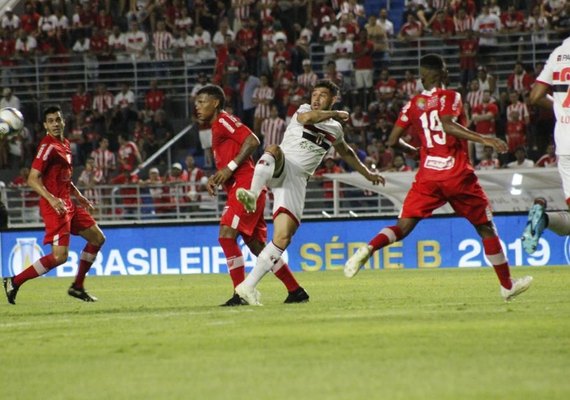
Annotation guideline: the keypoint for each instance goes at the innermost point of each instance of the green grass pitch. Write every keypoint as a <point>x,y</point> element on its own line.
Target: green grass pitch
<point>395,334</point>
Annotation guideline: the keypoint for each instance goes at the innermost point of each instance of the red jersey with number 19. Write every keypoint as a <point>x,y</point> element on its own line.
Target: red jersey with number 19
<point>53,160</point>
<point>442,156</point>
<point>228,135</point>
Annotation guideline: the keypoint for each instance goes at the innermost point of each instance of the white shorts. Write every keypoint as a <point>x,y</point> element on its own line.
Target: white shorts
<point>564,171</point>
<point>289,190</point>
<point>363,78</point>
<point>205,138</point>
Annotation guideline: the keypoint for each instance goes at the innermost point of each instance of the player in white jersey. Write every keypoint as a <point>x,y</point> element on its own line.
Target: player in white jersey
<point>555,76</point>
<point>313,130</point>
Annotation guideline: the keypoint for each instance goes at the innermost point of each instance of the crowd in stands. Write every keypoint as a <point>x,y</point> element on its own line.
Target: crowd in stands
<point>261,52</point>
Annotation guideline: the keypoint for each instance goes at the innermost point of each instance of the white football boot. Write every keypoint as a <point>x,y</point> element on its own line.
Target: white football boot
<point>249,294</point>
<point>248,199</point>
<point>520,285</point>
<point>357,260</point>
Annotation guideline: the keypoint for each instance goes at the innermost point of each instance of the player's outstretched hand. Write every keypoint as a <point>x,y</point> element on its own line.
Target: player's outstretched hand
<point>375,178</point>
<point>496,143</point>
<point>341,116</point>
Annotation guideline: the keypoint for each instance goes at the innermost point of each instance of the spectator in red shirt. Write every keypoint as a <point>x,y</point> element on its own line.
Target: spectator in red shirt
<point>386,87</point>
<point>363,67</point>
<point>29,20</point>
<point>246,38</point>
<point>30,199</point>
<point>484,117</point>
<point>153,100</point>
<point>442,26</point>
<point>520,80</point>
<point>550,159</point>
<point>468,48</point>
<point>129,155</point>
<point>330,167</point>
<point>516,132</point>
<point>409,34</point>
<point>80,100</point>
<point>128,196</point>
<point>512,22</point>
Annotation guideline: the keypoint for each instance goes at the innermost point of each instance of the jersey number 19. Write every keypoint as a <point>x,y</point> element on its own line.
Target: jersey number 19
<point>433,130</point>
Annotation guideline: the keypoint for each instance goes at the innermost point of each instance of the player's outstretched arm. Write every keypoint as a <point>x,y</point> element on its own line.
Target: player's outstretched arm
<point>315,116</point>
<point>539,96</point>
<point>352,160</point>
<point>453,128</point>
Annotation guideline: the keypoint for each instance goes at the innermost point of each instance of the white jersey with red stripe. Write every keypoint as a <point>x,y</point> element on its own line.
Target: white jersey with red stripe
<point>306,145</point>
<point>556,73</point>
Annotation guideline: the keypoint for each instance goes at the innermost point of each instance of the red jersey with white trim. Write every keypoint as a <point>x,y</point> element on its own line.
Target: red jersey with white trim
<point>53,160</point>
<point>556,73</point>
<point>228,135</point>
<point>306,145</point>
<point>442,156</point>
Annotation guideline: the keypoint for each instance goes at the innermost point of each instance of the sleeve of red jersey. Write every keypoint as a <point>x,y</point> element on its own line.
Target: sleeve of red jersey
<point>235,130</point>
<point>42,156</point>
<point>450,104</point>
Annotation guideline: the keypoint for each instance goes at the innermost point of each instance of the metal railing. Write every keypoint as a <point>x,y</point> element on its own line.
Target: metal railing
<point>139,203</point>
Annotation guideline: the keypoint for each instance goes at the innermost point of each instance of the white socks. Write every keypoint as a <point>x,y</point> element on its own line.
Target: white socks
<point>265,262</point>
<point>263,172</point>
<point>559,222</point>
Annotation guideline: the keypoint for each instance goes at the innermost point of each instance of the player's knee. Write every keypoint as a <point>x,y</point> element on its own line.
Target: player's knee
<point>100,240</point>
<point>60,256</point>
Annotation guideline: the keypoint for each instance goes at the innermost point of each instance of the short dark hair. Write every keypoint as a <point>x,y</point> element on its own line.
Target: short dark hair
<point>432,62</point>
<point>51,110</point>
<point>214,91</point>
<point>328,84</point>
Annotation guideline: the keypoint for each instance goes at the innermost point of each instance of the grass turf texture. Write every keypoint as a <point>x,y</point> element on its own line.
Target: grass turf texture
<point>400,334</point>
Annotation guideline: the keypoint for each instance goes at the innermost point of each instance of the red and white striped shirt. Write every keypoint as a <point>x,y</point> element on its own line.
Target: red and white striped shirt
<point>272,130</point>
<point>105,161</point>
<point>263,93</point>
<point>163,43</point>
<point>520,108</point>
<point>241,9</point>
<point>408,88</point>
<point>103,102</point>
<point>307,80</point>
<point>464,24</point>
<point>88,178</point>
<point>474,98</point>
<point>266,8</point>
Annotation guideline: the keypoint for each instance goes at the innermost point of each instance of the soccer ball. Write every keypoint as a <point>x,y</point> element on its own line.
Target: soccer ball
<point>11,121</point>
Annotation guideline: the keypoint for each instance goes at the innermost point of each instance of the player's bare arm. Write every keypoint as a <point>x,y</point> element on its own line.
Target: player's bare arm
<point>82,200</point>
<point>248,147</point>
<point>36,183</point>
<point>538,96</point>
<point>352,160</point>
<point>453,128</point>
<point>315,116</point>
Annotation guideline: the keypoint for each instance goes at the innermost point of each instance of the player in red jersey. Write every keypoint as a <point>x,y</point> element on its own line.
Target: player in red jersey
<point>50,177</point>
<point>445,174</point>
<point>233,144</point>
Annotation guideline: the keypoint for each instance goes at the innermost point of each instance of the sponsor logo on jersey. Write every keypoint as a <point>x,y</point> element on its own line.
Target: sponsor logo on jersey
<point>421,103</point>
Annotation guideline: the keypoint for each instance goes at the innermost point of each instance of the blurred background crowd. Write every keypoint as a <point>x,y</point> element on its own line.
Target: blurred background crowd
<point>126,73</point>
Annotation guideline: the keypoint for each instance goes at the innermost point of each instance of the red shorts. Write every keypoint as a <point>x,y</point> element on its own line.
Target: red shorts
<point>463,193</point>
<point>249,225</point>
<point>59,227</point>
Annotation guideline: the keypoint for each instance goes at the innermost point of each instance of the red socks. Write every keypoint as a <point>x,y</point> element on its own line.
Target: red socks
<point>86,259</point>
<point>39,267</point>
<point>494,253</point>
<point>234,258</point>
<point>385,237</point>
<point>282,271</point>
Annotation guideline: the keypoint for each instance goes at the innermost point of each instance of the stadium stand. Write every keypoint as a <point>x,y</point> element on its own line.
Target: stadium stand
<point>80,54</point>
